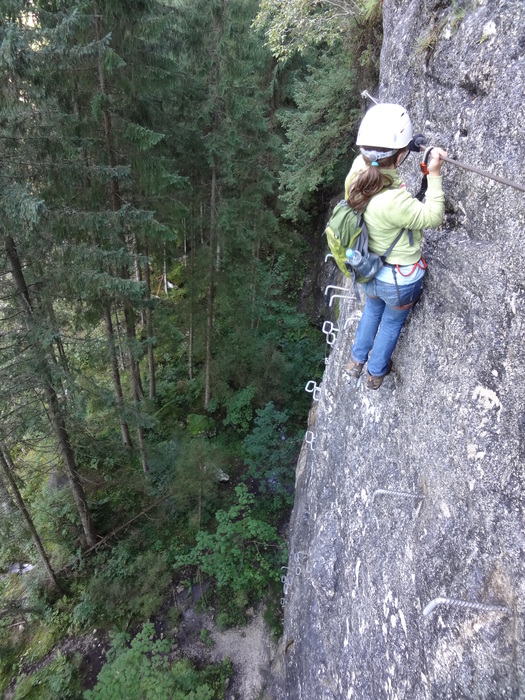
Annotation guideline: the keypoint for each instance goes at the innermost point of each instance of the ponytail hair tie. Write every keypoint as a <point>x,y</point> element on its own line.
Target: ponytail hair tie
<point>375,163</point>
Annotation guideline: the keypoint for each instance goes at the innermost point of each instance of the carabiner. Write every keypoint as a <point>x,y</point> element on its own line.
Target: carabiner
<point>424,161</point>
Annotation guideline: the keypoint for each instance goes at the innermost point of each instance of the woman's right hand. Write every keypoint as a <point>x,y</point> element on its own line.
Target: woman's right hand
<point>435,163</point>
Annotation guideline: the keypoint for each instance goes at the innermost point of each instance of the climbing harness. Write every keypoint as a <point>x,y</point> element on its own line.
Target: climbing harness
<point>421,264</point>
<point>395,270</point>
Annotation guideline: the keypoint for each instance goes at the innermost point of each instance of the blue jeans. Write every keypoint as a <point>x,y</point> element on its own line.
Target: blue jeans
<point>386,309</point>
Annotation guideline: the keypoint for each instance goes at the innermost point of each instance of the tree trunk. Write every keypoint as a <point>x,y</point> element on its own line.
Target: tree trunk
<point>117,385</point>
<point>201,219</point>
<point>136,384</point>
<point>55,415</point>
<point>6,502</point>
<point>8,468</point>
<point>138,274</point>
<point>185,244</point>
<point>191,328</point>
<point>115,194</point>
<point>254,287</point>
<point>116,206</point>
<point>119,342</point>
<point>211,288</point>
<point>165,272</point>
<point>69,461</point>
<point>149,331</point>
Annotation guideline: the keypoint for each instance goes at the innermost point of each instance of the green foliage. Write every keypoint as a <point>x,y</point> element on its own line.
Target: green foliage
<point>114,128</point>
<point>271,455</point>
<point>239,410</point>
<point>197,469</point>
<point>206,638</point>
<point>297,25</point>
<point>200,425</point>
<point>54,514</point>
<point>339,45</point>
<point>142,671</point>
<point>452,18</point>
<point>327,109</point>
<point>273,610</point>
<point>243,555</point>
<point>294,25</point>
<point>113,595</point>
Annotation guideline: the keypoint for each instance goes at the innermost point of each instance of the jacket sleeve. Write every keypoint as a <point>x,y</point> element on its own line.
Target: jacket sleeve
<point>405,211</point>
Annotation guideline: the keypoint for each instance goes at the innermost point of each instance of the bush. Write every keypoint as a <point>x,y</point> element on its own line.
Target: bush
<point>243,555</point>
<point>142,671</point>
<point>128,583</point>
<point>271,455</point>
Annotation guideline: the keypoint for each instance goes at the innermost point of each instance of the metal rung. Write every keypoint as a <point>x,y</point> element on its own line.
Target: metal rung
<point>339,289</point>
<point>330,330</point>
<point>309,438</point>
<point>392,492</point>
<point>329,327</point>
<point>353,317</point>
<point>339,296</point>
<point>312,388</point>
<point>465,605</point>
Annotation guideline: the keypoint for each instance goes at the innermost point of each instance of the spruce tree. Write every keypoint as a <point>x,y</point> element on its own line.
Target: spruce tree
<point>29,358</point>
<point>232,228</point>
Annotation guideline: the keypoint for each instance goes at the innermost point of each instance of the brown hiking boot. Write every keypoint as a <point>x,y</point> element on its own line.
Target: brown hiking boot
<point>354,368</point>
<point>375,382</point>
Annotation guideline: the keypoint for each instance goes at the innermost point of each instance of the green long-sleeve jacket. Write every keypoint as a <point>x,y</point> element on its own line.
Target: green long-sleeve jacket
<point>393,209</point>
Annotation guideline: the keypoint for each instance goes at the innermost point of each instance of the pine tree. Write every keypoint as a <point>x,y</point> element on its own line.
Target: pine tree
<point>29,359</point>
<point>232,174</point>
<point>7,466</point>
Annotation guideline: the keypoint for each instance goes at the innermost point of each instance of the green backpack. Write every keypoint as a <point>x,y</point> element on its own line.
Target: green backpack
<point>346,229</point>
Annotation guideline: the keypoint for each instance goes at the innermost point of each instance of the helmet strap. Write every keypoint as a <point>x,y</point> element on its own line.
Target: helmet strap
<point>374,155</point>
<point>403,159</point>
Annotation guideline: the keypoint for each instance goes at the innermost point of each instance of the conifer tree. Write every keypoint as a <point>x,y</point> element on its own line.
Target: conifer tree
<point>7,466</point>
<point>232,172</point>
<point>105,81</point>
<point>29,357</point>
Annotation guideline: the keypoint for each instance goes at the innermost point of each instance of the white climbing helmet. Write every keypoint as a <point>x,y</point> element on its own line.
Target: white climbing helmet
<point>385,126</point>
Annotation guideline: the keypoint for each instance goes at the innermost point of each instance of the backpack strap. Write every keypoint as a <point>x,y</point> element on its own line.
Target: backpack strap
<point>396,241</point>
<point>364,229</point>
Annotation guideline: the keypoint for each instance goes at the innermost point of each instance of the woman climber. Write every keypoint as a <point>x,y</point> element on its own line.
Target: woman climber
<point>384,137</point>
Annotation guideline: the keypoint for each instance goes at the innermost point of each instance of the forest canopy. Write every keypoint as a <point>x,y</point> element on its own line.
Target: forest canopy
<point>164,168</point>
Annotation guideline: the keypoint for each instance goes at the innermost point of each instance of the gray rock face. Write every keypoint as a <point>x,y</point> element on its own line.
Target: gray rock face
<point>446,429</point>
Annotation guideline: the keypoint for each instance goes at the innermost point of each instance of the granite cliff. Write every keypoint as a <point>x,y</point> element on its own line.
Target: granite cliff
<point>416,492</point>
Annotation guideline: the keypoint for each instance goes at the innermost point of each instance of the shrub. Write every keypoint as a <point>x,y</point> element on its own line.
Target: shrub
<point>271,454</point>
<point>128,583</point>
<point>142,671</point>
<point>243,555</point>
